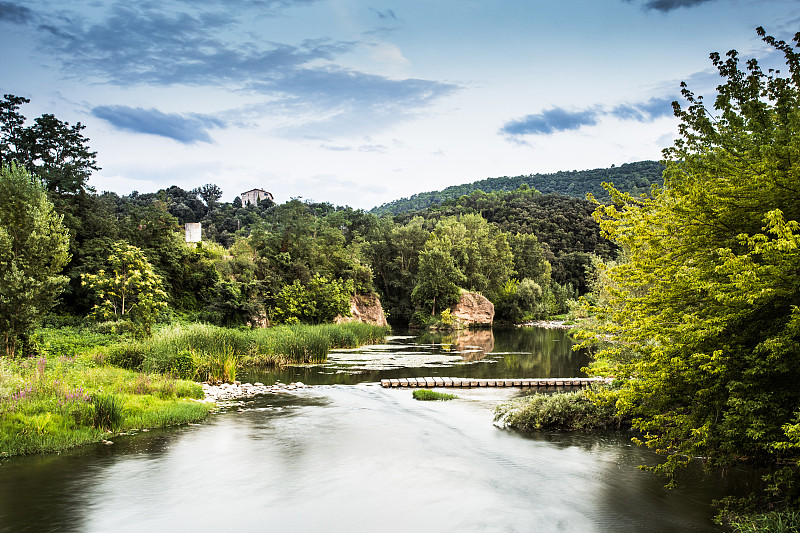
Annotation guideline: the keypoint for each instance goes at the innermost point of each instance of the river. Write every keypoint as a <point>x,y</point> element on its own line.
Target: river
<point>348,455</point>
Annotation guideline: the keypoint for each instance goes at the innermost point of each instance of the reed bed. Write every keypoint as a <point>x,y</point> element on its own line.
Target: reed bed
<point>206,352</point>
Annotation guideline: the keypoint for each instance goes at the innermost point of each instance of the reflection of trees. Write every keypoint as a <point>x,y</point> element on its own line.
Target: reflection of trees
<point>501,353</point>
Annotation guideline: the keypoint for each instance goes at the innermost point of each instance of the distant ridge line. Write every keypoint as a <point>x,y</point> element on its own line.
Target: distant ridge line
<point>634,177</point>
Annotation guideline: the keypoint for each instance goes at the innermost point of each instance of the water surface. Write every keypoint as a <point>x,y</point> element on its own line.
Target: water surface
<point>361,458</point>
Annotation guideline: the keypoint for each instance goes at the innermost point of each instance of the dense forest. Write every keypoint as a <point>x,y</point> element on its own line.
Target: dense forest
<point>636,178</point>
<point>269,263</point>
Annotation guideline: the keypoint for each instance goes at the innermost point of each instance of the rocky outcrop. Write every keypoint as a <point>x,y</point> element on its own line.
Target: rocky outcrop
<point>364,308</point>
<point>473,309</point>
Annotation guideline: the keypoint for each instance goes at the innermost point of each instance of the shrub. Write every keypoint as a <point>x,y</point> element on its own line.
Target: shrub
<point>564,410</point>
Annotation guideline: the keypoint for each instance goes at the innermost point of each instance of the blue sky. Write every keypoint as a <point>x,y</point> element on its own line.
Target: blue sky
<point>361,102</point>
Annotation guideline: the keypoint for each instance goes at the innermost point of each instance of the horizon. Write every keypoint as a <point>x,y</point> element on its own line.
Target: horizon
<point>364,104</point>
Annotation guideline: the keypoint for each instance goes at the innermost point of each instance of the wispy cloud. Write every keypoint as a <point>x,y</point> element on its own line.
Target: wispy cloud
<point>386,14</point>
<point>669,5</point>
<point>558,119</point>
<point>551,121</point>
<point>140,44</point>
<point>15,13</point>
<point>186,129</point>
<point>644,111</point>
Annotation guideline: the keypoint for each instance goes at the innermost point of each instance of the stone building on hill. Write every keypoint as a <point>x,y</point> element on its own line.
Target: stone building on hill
<point>255,196</point>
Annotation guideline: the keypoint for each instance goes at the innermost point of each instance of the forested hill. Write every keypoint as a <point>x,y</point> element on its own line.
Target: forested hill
<point>629,177</point>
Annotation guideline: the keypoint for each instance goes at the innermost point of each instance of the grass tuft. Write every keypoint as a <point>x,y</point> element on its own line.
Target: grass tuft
<point>427,395</point>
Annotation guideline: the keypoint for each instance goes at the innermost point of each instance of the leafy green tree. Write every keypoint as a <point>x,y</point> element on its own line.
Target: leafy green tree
<point>320,301</point>
<point>438,279</point>
<point>480,251</point>
<point>33,249</point>
<point>210,193</point>
<point>704,305</point>
<point>129,290</point>
<point>51,149</point>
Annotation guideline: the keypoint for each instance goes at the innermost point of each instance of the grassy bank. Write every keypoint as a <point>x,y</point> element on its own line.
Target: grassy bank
<point>561,411</point>
<point>53,403</point>
<point>82,386</point>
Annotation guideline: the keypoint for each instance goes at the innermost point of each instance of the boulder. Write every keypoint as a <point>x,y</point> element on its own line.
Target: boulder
<point>473,309</point>
<point>364,308</point>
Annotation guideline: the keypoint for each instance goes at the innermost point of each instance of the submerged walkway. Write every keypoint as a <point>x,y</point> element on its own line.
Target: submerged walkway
<point>474,382</point>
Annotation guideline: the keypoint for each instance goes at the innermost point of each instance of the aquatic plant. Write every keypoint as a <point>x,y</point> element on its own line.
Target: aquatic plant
<point>430,395</point>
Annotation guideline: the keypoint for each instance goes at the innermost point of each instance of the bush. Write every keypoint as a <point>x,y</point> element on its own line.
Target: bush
<point>564,410</point>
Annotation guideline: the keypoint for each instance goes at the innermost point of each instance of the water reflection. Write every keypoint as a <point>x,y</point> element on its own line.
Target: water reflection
<point>499,353</point>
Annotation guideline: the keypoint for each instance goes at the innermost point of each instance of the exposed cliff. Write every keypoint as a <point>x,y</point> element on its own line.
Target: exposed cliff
<point>473,309</point>
<point>364,308</point>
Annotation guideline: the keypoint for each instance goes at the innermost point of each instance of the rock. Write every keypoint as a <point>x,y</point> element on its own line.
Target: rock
<point>364,308</point>
<point>473,309</point>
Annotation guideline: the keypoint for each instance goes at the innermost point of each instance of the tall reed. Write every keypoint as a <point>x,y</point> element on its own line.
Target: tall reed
<point>210,352</point>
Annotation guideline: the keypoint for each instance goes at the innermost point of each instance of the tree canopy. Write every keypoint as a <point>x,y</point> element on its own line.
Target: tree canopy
<point>702,305</point>
<point>33,250</point>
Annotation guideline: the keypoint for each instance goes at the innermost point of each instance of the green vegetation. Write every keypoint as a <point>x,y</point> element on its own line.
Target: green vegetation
<point>561,411</point>
<point>774,522</point>
<point>203,351</point>
<point>698,318</point>
<point>76,392</point>
<point>130,291</point>
<point>633,177</point>
<point>33,250</point>
<point>64,399</point>
<point>428,395</point>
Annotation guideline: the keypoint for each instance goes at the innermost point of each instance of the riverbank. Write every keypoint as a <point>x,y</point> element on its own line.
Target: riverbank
<point>85,386</point>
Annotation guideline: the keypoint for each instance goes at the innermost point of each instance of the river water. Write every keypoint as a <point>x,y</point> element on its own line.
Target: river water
<point>348,455</point>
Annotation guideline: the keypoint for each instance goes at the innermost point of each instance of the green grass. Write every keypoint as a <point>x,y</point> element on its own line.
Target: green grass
<point>52,403</point>
<point>202,351</point>
<point>428,395</point>
<point>773,522</point>
<point>564,411</point>
<point>82,385</point>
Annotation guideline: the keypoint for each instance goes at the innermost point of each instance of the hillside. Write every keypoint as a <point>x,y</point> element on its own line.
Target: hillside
<point>630,177</point>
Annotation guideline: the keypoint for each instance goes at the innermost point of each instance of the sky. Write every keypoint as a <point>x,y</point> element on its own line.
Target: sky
<point>363,102</point>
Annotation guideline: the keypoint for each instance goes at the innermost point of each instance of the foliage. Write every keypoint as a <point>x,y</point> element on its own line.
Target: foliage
<point>437,279</point>
<point>52,150</point>
<point>200,350</point>
<point>428,395</point>
<point>703,304</point>
<point>321,300</point>
<point>564,411</point>
<point>772,522</point>
<point>33,250</point>
<point>57,401</point>
<point>106,412</point>
<point>633,177</point>
<point>129,290</point>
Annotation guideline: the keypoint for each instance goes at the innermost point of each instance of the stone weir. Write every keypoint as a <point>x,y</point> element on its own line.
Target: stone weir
<point>503,382</point>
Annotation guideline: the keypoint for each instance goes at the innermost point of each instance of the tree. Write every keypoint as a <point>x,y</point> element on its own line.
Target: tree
<point>704,304</point>
<point>210,194</point>
<point>54,151</point>
<point>320,301</point>
<point>33,249</point>
<point>437,280</point>
<point>130,290</point>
